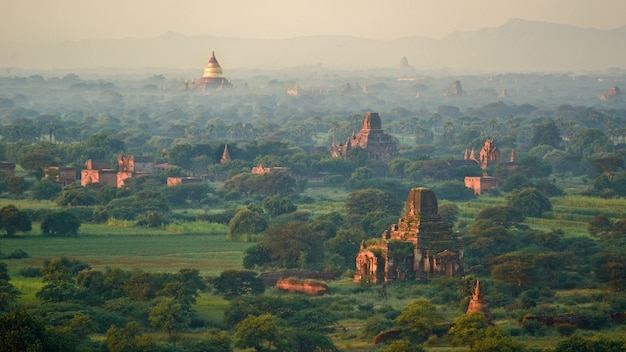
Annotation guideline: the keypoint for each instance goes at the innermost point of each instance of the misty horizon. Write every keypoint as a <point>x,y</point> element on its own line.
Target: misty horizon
<point>516,46</point>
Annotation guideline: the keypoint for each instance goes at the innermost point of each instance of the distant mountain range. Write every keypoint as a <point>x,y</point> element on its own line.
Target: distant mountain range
<point>516,46</point>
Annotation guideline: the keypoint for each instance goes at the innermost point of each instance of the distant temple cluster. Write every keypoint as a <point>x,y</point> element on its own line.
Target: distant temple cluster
<point>488,155</point>
<point>435,250</point>
<point>378,144</point>
<point>99,171</point>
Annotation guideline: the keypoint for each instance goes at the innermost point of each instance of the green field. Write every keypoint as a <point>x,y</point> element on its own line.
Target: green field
<point>210,254</point>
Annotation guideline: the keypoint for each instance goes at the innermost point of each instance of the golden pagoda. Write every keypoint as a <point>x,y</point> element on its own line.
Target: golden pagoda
<point>212,75</point>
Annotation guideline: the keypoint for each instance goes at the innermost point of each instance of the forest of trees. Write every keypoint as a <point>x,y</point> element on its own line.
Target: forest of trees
<point>68,120</point>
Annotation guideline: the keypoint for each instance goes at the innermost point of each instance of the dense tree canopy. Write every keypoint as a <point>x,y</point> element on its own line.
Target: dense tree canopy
<point>60,224</point>
<point>13,220</point>
<point>361,202</point>
<point>295,245</point>
<point>529,201</point>
<point>547,133</point>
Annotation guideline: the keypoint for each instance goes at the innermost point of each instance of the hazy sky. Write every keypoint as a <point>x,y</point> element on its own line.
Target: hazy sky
<point>60,20</point>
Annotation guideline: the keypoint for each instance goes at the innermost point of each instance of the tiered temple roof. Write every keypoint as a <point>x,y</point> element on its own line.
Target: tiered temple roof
<point>436,249</point>
<point>378,144</point>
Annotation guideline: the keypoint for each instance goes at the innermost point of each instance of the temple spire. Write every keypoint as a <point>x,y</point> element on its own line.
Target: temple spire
<point>225,155</point>
<point>478,304</point>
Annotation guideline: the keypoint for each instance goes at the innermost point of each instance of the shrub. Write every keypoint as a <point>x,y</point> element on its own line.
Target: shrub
<point>30,271</point>
<point>534,328</point>
<point>16,254</point>
<point>565,329</point>
<point>60,224</point>
<point>375,325</point>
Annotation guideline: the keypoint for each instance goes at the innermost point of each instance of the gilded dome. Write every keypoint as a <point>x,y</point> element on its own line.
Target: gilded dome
<point>212,68</point>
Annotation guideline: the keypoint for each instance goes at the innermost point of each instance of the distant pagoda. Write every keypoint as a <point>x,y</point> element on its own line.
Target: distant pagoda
<point>212,76</point>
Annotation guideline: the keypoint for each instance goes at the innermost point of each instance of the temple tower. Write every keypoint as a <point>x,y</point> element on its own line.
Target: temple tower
<point>478,304</point>
<point>420,245</point>
<point>212,75</point>
<point>378,144</point>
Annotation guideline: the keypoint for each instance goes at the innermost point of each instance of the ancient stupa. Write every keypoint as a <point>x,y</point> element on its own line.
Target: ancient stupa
<point>212,75</point>
<point>478,304</point>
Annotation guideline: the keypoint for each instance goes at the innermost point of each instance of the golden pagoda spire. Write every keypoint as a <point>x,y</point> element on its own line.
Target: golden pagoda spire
<point>212,68</point>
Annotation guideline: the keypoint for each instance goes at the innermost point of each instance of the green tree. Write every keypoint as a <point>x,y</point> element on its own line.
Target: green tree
<point>362,173</point>
<point>396,167</point>
<point>257,332</point>
<point>170,315</point>
<point>534,167</point>
<point>8,292</point>
<point>233,283</point>
<point>374,325</point>
<point>609,267</point>
<point>311,341</point>
<point>124,339</point>
<point>294,245</point>
<point>453,190</point>
<point>276,205</point>
<point>486,239</point>
<point>574,343</point>
<point>313,319</point>
<point>245,222</point>
<point>515,268</point>
<point>102,145</point>
<point>17,185</point>
<point>214,340</point>
<point>35,162</point>
<point>45,190</point>
<point>530,201</point>
<point>505,216</point>
<point>60,224</point>
<point>586,142</point>
<point>600,226</point>
<point>404,346</point>
<point>76,196</point>
<point>496,342</point>
<point>361,202</point>
<point>13,220</point>
<point>59,280</point>
<point>21,332</point>
<point>418,320</point>
<point>256,256</point>
<point>608,164</point>
<point>184,286</point>
<point>181,155</point>
<point>468,329</point>
<point>547,133</point>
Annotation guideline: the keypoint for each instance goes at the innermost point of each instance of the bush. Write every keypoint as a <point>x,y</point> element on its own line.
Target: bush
<point>30,271</point>
<point>45,190</point>
<point>534,328</point>
<point>374,325</point>
<point>60,224</point>
<point>335,180</point>
<point>565,329</point>
<point>16,254</point>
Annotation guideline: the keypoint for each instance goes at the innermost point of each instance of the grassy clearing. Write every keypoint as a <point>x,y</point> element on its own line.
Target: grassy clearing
<point>570,213</point>
<point>162,252</point>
